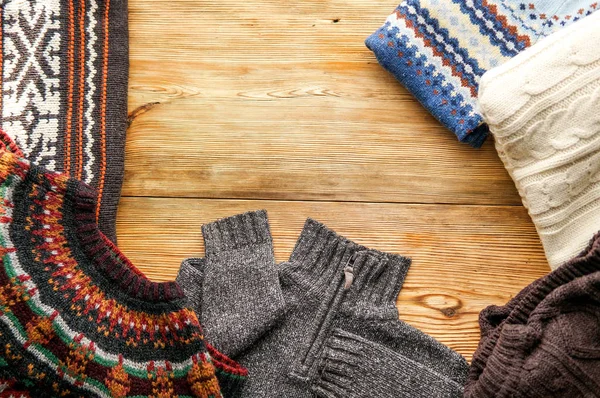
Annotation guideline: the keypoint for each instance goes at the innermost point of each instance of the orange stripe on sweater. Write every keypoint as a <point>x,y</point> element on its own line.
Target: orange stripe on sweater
<point>446,61</point>
<point>1,57</point>
<point>511,28</point>
<point>79,156</point>
<point>71,67</point>
<point>103,113</point>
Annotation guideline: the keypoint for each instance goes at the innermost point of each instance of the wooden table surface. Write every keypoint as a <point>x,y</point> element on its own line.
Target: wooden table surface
<point>236,106</point>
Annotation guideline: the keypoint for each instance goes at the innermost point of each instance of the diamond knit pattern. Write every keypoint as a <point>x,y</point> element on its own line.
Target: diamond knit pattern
<point>63,78</point>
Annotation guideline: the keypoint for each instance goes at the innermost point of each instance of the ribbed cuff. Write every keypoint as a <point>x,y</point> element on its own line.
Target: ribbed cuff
<point>352,366</point>
<point>340,362</point>
<point>235,232</point>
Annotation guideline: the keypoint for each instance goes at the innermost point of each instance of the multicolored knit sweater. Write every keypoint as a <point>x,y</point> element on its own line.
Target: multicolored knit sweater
<point>76,317</point>
<point>438,49</point>
<point>64,66</point>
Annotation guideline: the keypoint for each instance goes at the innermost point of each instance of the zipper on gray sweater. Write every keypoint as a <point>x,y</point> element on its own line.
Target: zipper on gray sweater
<point>301,369</point>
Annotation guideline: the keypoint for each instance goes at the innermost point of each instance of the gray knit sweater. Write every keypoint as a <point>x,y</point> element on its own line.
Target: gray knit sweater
<point>322,324</point>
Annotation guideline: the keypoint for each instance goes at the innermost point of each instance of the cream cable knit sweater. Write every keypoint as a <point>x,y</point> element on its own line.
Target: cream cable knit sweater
<point>543,108</point>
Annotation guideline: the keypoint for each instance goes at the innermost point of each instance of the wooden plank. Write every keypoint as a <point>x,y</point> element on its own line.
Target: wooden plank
<point>282,101</point>
<point>464,257</point>
<point>272,100</point>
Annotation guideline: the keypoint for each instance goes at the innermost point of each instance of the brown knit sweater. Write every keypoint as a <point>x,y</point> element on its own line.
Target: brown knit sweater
<point>546,341</point>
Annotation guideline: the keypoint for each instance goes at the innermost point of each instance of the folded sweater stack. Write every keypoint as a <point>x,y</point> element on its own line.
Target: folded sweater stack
<point>541,107</point>
<point>439,49</point>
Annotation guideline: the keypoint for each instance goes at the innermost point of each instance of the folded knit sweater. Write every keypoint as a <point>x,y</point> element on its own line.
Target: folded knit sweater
<point>63,90</point>
<point>438,49</point>
<point>76,317</point>
<point>323,323</point>
<point>542,107</point>
<point>546,341</point>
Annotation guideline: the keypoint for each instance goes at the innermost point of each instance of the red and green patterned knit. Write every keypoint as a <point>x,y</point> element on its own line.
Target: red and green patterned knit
<point>76,317</point>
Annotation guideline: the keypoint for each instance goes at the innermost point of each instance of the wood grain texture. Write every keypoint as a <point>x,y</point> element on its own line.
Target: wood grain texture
<point>464,257</point>
<point>274,100</point>
<point>236,106</point>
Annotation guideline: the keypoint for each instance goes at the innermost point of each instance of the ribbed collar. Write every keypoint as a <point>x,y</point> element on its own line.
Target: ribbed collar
<point>110,268</point>
<point>322,257</point>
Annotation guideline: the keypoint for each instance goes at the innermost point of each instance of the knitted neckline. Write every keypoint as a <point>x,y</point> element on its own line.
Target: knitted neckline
<point>323,262</point>
<point>322,252</point>
<point>79,301</point>
<point>81,230</point>
<point>104,255</point>
<point>107,258</point>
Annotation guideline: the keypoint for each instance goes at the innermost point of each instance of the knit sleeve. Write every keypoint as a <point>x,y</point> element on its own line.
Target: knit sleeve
<point>190,279</point>
<point>354,367</point>
<point>241,295</point>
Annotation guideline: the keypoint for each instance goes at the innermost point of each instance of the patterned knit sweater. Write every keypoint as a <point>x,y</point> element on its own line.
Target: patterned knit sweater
<point>76,317</point>
<point>438,49</point>
<point>63,90</point>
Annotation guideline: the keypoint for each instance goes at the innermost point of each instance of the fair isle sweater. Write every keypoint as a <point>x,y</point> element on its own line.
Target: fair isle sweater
<point>439,49</point>
<point>77,319</point>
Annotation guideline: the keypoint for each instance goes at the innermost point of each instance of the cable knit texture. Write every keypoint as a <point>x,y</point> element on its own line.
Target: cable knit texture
<point>542,107</point>
<point>546,341</point>
<point>331,294</point>
<point>438,49</point>
<point>77,319</point>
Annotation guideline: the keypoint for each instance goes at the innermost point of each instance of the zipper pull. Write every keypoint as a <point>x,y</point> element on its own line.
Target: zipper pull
<point>349,275</point>
<point>349,272</point>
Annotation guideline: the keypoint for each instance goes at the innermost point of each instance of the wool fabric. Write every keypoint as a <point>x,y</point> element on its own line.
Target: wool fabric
<point>64,69</point>
<point>546,341</point>
<point>331,328</point>
<point>243,244</point>
<point>77,319</point>
<point>439,49</point>
<point>542,107</point>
